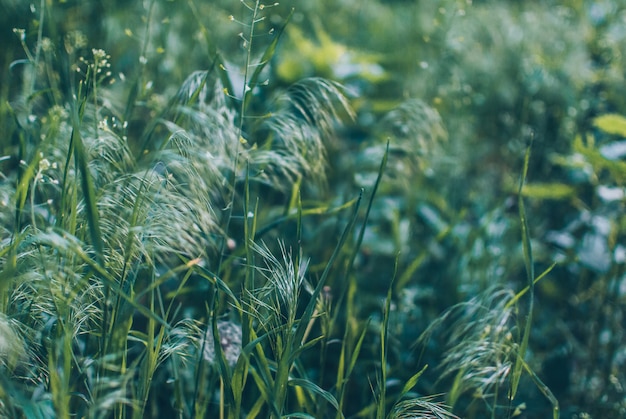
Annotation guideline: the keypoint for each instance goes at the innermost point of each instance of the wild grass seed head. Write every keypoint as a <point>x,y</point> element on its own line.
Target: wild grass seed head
<point>274,305</point>
<point>479,343</point>
<point>421,408</point>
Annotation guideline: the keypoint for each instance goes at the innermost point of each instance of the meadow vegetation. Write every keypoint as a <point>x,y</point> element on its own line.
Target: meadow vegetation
<point>327,209</point>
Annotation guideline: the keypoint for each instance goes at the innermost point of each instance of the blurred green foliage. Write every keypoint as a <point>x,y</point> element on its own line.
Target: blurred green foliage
<point>459,88</point>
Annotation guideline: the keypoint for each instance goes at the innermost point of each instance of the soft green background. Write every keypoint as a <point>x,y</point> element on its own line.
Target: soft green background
<point>460,88</point>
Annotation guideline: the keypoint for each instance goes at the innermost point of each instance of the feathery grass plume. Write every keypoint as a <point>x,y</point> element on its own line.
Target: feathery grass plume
<point>275,304</point>
<point>418,135</point>
<point>417,127</point>
<point>275,308</point>
<point>301,128</point>
<point>61,302</point>
<point>188,337</point>
<point>180,356</point>
<point>288,143</point>
<point>480,349</point>
<point>421,408</point>
<point>22,384</point>
<point>12,346</point>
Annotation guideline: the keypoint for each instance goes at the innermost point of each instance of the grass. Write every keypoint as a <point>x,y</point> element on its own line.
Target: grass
<point>224,250</point>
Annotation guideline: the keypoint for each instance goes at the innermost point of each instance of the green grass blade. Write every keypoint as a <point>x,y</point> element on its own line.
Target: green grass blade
<point>314,388</point>
<point>89,189</point>
<point>384,335</point>
<point>351,289</point>
<point>530,274</point>
<point>381,170</point>
<point>299,213</point>
<point>357,350</point>
<point>544,390</point>
<point>293,357</point>
<point>411,382</point>
<point>520,294</point>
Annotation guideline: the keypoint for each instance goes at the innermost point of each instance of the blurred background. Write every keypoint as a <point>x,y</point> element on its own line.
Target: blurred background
<point>460,88</point>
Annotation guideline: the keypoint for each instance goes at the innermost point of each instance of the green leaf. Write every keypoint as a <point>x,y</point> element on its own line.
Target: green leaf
<point>357,349</point>
<point>308,385</point>
<point>611,124</point>
<point>551,191</point>
<point>89,189</point>
<point>594,157</point>
<point>412,382</point>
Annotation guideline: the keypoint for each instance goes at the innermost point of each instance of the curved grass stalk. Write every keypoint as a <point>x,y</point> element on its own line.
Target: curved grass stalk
<point>530,275</point>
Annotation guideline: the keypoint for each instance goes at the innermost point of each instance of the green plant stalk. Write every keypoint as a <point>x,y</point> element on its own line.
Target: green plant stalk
<point>218,61</point>
<point>348,357</point>
<point>25,178</point>
<point>265,58</point>
<point>149,363</point>
<point>248,333</point>
<point>556,411</point>
<point>530,275</point>
<point>122,313</point>
<point>88,187</point>
<point>384,340</point>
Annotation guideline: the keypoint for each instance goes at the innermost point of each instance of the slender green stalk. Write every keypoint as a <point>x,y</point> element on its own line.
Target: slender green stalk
<point>530,275</point>
<point>384,334</point>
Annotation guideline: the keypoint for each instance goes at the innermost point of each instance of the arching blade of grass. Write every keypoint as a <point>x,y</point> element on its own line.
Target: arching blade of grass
<point>357,245</point>
<point>520,294</point>
<point>89,190</point>
<point>312,387</point>
<point>544,390</point>
<point>411,382</point>
<point>381,170</point>
<point>530,276</point>
<point>299,213</point>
